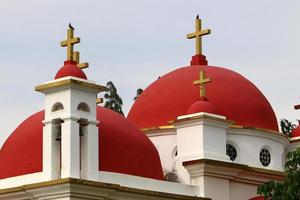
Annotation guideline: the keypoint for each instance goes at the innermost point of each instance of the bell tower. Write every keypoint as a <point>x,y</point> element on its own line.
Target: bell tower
<point>70,132</point>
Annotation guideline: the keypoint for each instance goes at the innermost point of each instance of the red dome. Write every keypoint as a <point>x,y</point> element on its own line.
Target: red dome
<point>122,148</point>
<point>70,69</point>
<point>232,94</point>
<point>202,106</point>
<point>296,132</point>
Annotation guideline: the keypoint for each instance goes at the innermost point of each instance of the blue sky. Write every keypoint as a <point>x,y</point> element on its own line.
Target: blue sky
<point>133,42</point>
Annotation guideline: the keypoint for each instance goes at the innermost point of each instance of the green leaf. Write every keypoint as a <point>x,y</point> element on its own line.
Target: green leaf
<point>289,189</point>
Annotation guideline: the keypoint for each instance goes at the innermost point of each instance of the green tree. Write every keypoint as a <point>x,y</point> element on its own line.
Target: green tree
<point>138,93</point>
<point>287,127</point>
<point>289,189</point>
<point>112,100</point>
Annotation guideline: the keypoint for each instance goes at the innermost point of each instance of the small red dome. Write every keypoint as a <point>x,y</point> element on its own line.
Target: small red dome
<point>296,132</point>
<point>202,106</point>
<point>170,96</point>
<point>70,69</point>
<point>123,148</point>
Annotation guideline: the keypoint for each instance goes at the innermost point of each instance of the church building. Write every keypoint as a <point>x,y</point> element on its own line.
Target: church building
<point>198,132</point>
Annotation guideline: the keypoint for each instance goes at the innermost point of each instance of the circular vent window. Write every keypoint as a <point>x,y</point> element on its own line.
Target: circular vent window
<point>231,151</point>
<point>265,157</point>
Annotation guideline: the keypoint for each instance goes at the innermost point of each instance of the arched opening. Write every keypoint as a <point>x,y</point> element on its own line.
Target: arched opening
<point>57,106</point>
<point>83,123</point>
<point>83,107</point>
<point>57,131</point>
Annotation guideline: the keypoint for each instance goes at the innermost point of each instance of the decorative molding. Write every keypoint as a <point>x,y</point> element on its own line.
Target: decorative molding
<point>168,127</point>
<point>245,168</point>
<point>84,188</point>
<point>67,82</point>
<point>276,136</point>
<point>203,119</point>
<point>258,129</point>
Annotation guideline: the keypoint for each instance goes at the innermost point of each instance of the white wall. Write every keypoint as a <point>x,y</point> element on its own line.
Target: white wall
<point>250,142</point>
<point>240,190</point>
<point>70,98</point>
<point>206,138</point>
<point>165,142</point>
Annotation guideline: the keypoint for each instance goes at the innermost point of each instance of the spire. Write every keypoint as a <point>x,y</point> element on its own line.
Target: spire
<point>202,81</point>
<point>69,43</point>
<point>198,35</point>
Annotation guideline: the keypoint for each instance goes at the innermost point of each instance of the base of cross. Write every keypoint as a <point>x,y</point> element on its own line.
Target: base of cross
<point>198,59</point>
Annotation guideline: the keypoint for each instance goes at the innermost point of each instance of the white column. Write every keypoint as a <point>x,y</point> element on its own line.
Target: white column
<point>202,137</point>
<point>90,152</point>
<point>70,149</point>
<point>213,181</point>
<point>51,165</point>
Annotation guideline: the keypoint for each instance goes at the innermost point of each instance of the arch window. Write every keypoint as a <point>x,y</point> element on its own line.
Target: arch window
<point>231,151</point>
<point>265,157</point>
<point>83,107</point>
<point>57,106</point>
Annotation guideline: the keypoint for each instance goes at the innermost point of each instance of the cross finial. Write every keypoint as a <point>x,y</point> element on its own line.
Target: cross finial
<point>202,81</point>
<point>198,35</point>
<point>69,42</point>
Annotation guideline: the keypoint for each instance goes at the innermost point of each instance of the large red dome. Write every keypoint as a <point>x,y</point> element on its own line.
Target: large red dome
<point>231,93</point>
<point>122,148</point>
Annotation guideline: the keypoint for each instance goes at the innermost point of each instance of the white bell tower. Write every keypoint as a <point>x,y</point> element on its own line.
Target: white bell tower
<point>70,133</point>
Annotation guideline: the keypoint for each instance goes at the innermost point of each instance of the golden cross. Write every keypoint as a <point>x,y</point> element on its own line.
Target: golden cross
<point>69,42</point>
<point>198,35</point>
<point>202,81</point>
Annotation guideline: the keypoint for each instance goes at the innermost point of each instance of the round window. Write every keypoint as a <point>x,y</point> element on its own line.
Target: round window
<point>231,151</point>
<point>265,157</point>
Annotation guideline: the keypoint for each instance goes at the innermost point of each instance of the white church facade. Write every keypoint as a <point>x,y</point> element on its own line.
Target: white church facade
<point>198,132</point>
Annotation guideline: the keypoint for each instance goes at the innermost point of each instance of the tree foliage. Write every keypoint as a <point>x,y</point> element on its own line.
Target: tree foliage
<point>112,100</point>
<point>287,127</point>
<point>138,93</point>
<point>289,189</point>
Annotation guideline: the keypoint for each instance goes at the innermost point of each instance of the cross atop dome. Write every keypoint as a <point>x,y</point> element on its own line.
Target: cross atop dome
<point>69,43</point>
<point>198,35</point>
<point>202,81</point>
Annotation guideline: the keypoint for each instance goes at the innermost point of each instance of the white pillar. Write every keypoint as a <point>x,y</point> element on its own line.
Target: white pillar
<point>202,136</point>
<point>70,147</point>
<point>90,152</point>
<point>51,158</point>
<point>213,180</point>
